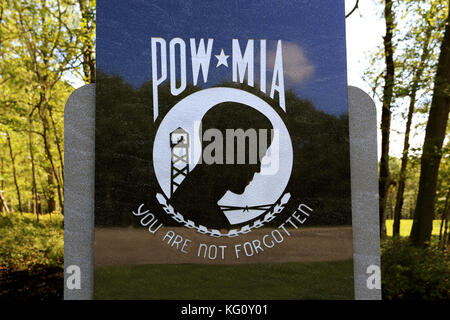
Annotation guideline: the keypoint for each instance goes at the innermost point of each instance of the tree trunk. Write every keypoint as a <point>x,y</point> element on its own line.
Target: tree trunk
<point>384,179</point>
<point>3,205</point>
<point>88,49</point>
<point>412,102</point>
<point>45,129</point>
<point>446,236</point>
<point>40,206</point>
<point>50,193</point>
<point>432,147</point>
<point>444,218</point>
<point>33,170</point>
<point>8,138</point>
<point>58,146</point>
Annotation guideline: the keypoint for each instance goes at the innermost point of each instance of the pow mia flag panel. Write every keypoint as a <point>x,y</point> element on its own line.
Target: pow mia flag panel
<point>222,151</point>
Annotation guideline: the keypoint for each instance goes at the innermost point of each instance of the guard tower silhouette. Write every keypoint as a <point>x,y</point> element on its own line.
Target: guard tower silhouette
<point>179,161</point>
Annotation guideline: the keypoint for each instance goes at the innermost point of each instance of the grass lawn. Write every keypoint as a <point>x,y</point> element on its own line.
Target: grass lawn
<point>316,280</point>
<point>406,225</point>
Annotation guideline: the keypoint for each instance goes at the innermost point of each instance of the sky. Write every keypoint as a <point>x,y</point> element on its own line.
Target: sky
<point>364,31</point>
<point>313,51</point>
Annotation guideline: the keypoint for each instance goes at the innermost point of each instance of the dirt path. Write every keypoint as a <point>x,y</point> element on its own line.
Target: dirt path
<point>136,246</point>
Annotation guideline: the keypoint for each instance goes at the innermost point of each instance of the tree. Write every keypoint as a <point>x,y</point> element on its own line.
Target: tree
<point>442,204</point>
<point>414,87</point>
<point>415,66</point>
<point>353,10</point>
<point>41,42</point>
<point>86,35</point>
<point>432,148</point>
<point>384,179</point>
<point>13,162</point>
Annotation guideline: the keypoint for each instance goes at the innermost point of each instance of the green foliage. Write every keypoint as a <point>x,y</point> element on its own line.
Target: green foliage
<point>443,183</point>
<point>44,46</point>
<point>419,26</point>
<point>412,182</point>
<point>25,243</point>
<point>411,273</point>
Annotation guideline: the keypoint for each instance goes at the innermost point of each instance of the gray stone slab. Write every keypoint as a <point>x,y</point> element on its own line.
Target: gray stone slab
<point>364,180</point>
<point>79,146</point>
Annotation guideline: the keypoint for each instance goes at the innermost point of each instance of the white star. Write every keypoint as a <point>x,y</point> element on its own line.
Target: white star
<point>222,59</point>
